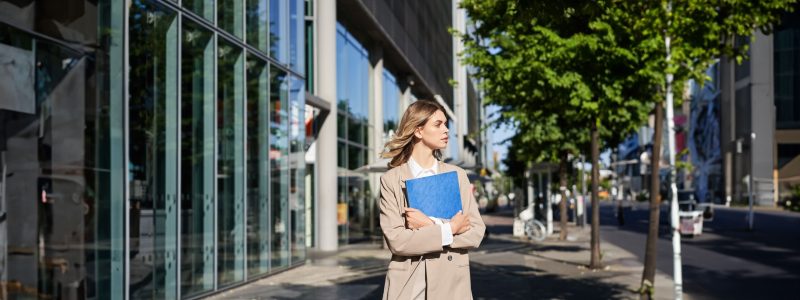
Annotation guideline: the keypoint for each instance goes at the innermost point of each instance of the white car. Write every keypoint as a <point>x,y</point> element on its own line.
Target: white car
<point>691,219</point>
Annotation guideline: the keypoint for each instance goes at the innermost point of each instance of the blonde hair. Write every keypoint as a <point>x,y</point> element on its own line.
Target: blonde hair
<point>400,146</point>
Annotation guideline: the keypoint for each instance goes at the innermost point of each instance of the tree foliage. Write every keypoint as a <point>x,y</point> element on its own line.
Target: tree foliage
<point>554,67</point>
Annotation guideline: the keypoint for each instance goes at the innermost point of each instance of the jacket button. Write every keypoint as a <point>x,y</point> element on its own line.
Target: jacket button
<point>450,257</point>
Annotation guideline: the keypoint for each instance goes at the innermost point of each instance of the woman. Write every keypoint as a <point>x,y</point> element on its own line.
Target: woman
<point>429,256</point>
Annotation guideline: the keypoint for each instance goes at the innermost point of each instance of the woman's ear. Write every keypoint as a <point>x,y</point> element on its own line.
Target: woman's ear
<point>417,133</point>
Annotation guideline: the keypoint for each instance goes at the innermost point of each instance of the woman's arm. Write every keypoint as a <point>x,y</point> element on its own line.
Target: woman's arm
<point>401,240</point>
<point>471,238</point>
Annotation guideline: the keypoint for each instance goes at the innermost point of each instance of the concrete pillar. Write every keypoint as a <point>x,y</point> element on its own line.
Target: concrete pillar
<point>762,85</point>
<point>326,160</point>
<point>376,101</point>
<point>460,89</point>
<point>727,128</point>
<point>405,99</point>
<point>376,111</point>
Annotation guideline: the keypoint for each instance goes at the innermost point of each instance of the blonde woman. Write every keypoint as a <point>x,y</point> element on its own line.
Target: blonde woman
<point>429,256</point>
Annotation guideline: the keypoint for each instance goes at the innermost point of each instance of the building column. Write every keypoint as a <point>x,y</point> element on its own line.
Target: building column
<point>460,89</point>
<point>405,99</point>
<point>376,101</point>
<point>727,129</point>
<point>762,99</point>
<point>326,160</point>
<point>376,111</point>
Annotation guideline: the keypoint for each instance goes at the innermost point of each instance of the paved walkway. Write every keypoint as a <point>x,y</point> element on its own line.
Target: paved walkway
<point>504,267</point>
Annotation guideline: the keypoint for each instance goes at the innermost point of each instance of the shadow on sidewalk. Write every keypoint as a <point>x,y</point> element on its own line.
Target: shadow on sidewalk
<point>519,282</point>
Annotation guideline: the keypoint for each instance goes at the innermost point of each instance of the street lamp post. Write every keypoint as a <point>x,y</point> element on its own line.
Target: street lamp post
<point>676,237</point>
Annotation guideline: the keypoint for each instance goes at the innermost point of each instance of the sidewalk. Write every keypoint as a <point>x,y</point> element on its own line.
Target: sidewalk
<point>504,267</point>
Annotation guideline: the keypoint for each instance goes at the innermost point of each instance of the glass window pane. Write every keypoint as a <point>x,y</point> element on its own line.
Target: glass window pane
<point>258,228</point>
<point>229,16</point>
<point>60,167</point>
<point>309,56</point>
<point>73,21</point>
<point>364,80</point>
<point>296,36</point>
<point>279,165</point>
<point>355,157</point>
<point>197,159</point>
<point>153,107</point>
<point>257,24</point>
<point>203,8</point>
<point>356,131</point>
<point>391,100</point>
<point>297,169</point>
<point>341,126</point>
<point>356,208</point>
<point>278,31</point>
<point>341,71</point>
<point>230,164</point>
<point>342,155</point>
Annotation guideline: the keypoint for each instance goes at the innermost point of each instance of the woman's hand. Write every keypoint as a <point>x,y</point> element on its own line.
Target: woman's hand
<point>459,223</point>
<point>415,219</point>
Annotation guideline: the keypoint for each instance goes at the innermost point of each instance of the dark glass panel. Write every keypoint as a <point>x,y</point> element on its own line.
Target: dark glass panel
<point>258,228</point>
<point>197,159</point>
<point>279,168</point>
<point>153,108</point>
<point>230,164</point>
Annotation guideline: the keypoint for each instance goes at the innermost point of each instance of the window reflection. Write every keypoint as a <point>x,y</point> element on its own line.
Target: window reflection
<point>278,21</point>
<point>391,106</point>
<point>203,8</point>
<point>279,168</point>
<point>352,69</point>
<point>229,16</point>
<point>257,24</point>
<point>230,164</point>
<point>296,42</point>
<point>197,159</point>
<point>297,168</point>
<point>55,171</point>
<point>153,107</point>
<point>258,151</point>
<point>68,20</point>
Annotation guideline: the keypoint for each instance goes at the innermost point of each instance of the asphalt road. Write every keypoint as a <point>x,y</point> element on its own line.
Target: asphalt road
<point>727,261</point>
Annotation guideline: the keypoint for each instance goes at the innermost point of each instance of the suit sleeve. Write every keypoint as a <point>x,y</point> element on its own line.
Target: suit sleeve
<point>401,240</point>
<point>471,238</point>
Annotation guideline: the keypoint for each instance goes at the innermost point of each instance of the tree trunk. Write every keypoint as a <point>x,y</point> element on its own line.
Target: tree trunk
<point>595,243</point>
<point>562,207</point>
<point>649,273</point>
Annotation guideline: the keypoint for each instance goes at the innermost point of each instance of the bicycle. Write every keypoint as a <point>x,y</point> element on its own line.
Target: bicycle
<point>534,229</point>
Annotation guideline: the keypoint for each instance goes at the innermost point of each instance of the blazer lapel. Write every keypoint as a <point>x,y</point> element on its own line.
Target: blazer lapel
<point>405,174</point>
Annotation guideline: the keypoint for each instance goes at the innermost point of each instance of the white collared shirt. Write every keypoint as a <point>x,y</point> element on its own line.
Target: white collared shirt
<point>418,172</point>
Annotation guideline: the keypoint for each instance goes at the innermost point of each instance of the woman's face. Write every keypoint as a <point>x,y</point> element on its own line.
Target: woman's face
<point>434,133</point>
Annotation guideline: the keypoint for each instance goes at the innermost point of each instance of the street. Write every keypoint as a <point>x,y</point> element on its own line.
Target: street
<point>727,261</point>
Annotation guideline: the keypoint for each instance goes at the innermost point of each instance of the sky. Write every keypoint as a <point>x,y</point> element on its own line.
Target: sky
<point>497,136</point>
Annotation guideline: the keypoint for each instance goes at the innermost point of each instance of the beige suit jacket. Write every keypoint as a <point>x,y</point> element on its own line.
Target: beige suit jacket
<point>447,267</point>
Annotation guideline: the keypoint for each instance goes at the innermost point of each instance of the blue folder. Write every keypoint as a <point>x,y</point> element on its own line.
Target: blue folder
<point>437,195</point>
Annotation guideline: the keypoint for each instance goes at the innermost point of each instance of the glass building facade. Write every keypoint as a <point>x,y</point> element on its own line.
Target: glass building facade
<point>354,127</point>
<point>150,149</point>
<point>357,147</point>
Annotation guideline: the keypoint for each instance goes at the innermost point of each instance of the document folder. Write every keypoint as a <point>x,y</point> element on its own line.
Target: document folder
<point>437,196</point>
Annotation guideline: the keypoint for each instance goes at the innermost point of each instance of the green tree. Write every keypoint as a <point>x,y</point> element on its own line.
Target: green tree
<point>564,74</point>
<point>700,31</point>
